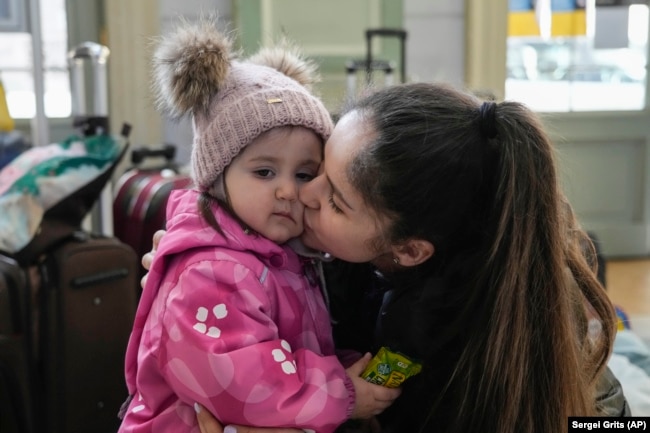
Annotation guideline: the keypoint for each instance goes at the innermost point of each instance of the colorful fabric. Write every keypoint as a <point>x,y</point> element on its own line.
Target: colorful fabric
<point>623,320</point>
<point>44,176</point>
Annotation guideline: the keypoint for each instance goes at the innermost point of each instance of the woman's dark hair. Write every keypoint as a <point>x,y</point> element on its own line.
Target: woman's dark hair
<point>428,163</point>
<point>478,180</point>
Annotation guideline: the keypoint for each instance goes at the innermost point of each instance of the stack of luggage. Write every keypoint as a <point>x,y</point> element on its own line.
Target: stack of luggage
<point>67,295</point>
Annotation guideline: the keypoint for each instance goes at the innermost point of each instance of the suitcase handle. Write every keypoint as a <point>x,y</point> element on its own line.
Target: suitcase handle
<point>100,278</point>
<point>386,32</point>
<point>168,151</point>
<point>352,66</point>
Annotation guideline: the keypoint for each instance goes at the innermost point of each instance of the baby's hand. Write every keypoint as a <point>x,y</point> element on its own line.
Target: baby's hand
<point>371,399</point>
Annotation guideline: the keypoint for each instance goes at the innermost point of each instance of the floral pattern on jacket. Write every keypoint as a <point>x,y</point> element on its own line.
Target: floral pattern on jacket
<point>233,324</point>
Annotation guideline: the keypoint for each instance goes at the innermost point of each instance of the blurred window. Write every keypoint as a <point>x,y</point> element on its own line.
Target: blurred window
<point>16,65</point>
<point>577,55</point>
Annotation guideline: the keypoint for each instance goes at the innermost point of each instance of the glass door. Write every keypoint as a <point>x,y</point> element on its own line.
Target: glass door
<point>583,65</point>
<point>577,55</point>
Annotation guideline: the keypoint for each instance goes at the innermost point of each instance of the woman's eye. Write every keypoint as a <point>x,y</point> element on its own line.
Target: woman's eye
<point>333,204</point>
<point>264,172</point>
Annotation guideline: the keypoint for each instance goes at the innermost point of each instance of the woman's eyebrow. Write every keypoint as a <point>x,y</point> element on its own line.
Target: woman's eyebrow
<point>338,194</point>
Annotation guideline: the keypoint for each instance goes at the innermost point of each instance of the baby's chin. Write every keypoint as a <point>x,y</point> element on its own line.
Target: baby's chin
<point>283,238</point>
<point>280,240</point>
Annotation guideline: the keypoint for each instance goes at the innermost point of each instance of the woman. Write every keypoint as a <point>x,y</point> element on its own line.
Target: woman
<point>472,263</point>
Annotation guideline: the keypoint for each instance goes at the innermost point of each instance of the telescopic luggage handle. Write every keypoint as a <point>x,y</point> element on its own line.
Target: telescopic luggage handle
<point>95,122</point>
<point>386,32</point>
<point>139,154</point>
<point>352,66</point>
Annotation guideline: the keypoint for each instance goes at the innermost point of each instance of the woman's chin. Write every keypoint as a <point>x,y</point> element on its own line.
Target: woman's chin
<point>310,241</point>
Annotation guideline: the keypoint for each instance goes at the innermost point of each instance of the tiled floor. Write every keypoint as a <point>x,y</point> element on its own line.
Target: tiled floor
<point>628,282</point>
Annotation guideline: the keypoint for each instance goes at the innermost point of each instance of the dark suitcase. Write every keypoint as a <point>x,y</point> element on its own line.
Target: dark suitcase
<point>370,66</point>
<point>88,302</point>
<point>64,335</point>
<point>141,198</point>
<point>16,411</point>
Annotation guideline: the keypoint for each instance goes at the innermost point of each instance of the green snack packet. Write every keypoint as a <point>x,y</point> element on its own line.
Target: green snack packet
<point>390,369</point>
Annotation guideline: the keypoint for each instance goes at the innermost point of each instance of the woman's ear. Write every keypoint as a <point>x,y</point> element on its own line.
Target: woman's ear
<point>413,252</point>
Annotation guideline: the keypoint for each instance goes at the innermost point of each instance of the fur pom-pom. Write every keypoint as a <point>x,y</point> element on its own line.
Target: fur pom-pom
<point>189,66</point>
<point>289,60</point>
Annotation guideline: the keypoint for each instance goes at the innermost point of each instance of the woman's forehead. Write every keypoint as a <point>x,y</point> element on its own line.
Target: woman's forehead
<point>350,135</point>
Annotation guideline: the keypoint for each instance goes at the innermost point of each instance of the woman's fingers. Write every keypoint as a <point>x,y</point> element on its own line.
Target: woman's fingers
<point>244,429</point>
<point>156,239</point>
<point>147,259</point>
<point>207,422</point>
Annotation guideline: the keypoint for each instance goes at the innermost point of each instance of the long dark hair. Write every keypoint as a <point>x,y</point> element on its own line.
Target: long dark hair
<point>480,183</point>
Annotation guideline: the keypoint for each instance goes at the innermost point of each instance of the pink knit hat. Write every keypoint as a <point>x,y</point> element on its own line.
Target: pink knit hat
<point>232,101</point>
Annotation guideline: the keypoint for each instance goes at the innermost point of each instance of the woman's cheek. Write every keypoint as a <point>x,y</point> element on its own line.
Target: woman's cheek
<point>332,234</point>
<point>325,231</point>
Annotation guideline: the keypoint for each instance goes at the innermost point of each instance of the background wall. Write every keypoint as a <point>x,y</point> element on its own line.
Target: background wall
<point>604,156</point>
<point>435,45</point>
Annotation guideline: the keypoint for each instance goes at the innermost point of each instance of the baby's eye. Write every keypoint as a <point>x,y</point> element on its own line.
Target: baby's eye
<point>264,172</point>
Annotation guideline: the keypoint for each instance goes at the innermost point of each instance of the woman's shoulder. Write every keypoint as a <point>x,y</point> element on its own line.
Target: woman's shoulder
<point>609,395</point>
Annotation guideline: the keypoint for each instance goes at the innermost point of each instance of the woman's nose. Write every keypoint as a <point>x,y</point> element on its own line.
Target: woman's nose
<point>309,193</point>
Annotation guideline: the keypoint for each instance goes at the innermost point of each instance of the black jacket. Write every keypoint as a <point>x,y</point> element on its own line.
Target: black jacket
<point>369,313</point>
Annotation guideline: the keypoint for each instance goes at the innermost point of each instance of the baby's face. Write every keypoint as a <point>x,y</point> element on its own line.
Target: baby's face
<point>264,180</point>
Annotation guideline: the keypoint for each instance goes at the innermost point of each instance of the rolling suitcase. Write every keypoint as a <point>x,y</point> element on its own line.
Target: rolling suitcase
<point>141,197</point>
<point>64,326</point>
<point>369,67</point>
<point>87,306</point>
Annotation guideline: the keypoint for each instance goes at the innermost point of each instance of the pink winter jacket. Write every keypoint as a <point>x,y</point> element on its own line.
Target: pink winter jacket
<point>234,325</point>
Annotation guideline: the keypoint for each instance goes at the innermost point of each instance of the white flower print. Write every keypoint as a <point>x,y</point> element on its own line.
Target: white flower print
<point>289,367</point>
<point>219,311</point>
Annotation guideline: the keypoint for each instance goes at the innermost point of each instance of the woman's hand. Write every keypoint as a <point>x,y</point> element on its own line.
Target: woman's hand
<point>209,424</point>
<point>148,258</point>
